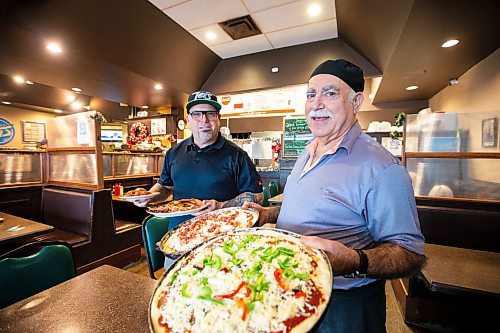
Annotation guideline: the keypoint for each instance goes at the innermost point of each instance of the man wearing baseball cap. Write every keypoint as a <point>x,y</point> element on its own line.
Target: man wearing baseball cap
<point>351,198</point>
<point>207,166</point>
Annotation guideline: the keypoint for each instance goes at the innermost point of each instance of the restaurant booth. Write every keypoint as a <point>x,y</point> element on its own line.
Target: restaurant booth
<point>68,186</point>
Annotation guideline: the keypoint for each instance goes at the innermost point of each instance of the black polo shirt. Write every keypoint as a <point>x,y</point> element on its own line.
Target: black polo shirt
<point>219,171</point>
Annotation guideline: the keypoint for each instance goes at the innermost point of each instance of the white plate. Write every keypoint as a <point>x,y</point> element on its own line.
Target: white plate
<point>180,213</point>
<point>139,197</point>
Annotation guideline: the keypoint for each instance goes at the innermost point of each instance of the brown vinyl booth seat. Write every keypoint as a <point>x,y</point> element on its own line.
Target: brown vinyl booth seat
<point>84,219</point>
<point>455,227</point>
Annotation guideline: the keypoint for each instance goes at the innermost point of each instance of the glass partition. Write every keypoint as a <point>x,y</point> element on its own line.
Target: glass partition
<point>79,168</point>
<point>74,151</point>
<point>117,164</point>
<point>20,167</point>
<point>454,155</point>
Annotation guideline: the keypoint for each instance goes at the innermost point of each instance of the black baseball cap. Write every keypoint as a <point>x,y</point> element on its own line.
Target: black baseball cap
<point>348,72</point>
<point>203,97</point>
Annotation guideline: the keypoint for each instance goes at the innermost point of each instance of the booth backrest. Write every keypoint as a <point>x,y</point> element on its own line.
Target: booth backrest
<point>459,227</point>
<point>68,210</point>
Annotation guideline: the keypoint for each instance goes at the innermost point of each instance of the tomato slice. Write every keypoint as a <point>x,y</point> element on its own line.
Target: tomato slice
<point>277,277</point>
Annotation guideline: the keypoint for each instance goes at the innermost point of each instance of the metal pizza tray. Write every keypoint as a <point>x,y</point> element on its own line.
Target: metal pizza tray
<point>182,258</point>
<point>174,255</point>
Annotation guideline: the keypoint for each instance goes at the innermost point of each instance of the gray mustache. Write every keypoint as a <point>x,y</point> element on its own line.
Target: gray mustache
<point>320,114</point>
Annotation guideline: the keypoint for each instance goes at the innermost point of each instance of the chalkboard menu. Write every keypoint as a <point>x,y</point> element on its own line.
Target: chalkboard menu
<point>296,135</point>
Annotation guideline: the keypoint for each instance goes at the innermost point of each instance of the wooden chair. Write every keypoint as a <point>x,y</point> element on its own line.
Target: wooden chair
<point>32,268</point>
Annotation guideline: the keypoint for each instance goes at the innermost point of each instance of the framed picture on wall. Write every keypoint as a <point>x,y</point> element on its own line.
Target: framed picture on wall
<point>490,133</point>
<point>33,132</point>
<point>158,126</point>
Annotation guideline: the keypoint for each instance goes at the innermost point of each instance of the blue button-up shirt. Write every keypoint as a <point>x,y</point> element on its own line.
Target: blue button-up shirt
<point>357,195</point>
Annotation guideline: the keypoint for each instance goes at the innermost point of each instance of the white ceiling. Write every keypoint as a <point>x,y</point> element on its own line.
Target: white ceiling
<point>282,22</point>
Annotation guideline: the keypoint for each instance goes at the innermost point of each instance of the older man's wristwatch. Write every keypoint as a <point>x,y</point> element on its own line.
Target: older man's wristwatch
<point>361,272</point>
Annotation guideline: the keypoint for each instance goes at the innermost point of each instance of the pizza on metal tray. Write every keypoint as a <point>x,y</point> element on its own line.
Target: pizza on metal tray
<point>177,206</point>
<point>252,280</point>
<point>203,227</point>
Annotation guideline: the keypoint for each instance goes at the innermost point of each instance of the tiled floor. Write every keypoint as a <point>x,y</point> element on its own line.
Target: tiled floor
<point>394,323</point>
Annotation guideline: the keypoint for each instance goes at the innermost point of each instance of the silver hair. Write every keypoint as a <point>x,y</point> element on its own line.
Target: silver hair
<point>352,94</point>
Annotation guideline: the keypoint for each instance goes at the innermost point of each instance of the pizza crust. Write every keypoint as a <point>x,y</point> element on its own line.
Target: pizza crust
<point>173,246</point>
<point>323,278</point>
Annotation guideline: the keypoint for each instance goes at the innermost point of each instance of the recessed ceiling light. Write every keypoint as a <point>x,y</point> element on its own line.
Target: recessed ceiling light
<point>314,10</point>
<point>76,89</point>
<point>275,69</point>
<point>76,105</point>
<point>18,79</point>
<point>450,43</point>
<point>70,97</point>
<point>144,107</point>
<point>411,87</point>
<point>158,86</point>
<point>28,82</point>
<point>123,104</point>
<point>211,35</point>
<point>54,47</point>
<point>6,103</point>
<point>57,111</point>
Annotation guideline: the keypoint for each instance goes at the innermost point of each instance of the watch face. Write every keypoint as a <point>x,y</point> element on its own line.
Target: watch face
<point>181,124</point>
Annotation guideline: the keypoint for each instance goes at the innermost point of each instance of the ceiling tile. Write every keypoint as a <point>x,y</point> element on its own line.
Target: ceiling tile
<point>292,15</point>
<point>201,34</point>
<point>304,34</point>
<point>162,4</point>
<point>198,13</point>
<point>242,46</point>
<point>256,5</point>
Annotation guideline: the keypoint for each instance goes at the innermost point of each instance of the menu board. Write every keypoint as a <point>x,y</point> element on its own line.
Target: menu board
<point>33,131</point>
<point>296,135</point>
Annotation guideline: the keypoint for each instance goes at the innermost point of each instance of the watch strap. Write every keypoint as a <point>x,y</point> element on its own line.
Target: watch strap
<point>363,262</point>
<point>361,271</point>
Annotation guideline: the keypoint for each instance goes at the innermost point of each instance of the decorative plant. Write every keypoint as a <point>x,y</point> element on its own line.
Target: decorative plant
<point>100,118</point>
<point>400,119</point>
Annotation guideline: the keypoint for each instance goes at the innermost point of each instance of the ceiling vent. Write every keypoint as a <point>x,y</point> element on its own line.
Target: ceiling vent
<point>240,27</point>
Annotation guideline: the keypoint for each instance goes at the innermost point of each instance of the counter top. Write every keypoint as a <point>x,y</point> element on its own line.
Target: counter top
<point>106,299</point>
<point>455,270</point>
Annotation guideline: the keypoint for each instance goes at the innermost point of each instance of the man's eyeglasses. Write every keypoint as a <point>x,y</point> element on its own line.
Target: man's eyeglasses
<point>198,115</point>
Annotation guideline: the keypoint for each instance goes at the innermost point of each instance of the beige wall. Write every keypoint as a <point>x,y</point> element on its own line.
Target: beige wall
<point>477,92</point>
<point>15,116</point>
<point>478,89</point>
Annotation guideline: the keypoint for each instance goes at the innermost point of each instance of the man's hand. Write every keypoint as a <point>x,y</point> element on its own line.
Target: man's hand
<point>141,202</point>
<point>266,214</point>
<point>211,206</point>
<point>343,259</point>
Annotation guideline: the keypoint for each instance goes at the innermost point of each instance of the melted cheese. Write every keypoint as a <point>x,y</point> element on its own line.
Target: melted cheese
<point>193,314</point>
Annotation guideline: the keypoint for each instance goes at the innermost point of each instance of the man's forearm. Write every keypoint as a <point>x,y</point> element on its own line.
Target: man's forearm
<point>241,198</point>
<point>391,261</point>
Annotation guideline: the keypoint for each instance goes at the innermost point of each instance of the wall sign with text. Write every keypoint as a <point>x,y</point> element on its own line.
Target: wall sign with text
<point>33,131</point>
<point>296,135</point>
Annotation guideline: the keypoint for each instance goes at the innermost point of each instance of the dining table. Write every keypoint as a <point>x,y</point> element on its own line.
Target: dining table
<point>14,228</point>
<point>105,299</point>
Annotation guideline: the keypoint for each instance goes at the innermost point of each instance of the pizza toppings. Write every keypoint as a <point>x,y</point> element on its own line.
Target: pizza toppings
<point>177,206</point>
<point>137,192</point>
<point>201,228</point>
<point>244,282</point>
